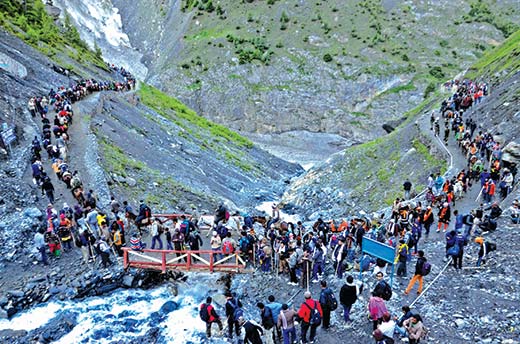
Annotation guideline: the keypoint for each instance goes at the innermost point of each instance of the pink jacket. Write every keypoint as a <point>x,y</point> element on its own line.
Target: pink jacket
<point>376,307</point>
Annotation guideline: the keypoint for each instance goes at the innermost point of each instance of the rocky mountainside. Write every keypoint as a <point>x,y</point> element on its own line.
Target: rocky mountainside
<point>306,79</point>
<point>342,67</point>
<point>369,176</point>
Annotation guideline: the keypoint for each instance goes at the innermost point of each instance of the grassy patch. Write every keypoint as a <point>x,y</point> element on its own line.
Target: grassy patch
<point>117,161</point>
<point>505,57</point>
<point>397,89</point>
<point>175,110</point>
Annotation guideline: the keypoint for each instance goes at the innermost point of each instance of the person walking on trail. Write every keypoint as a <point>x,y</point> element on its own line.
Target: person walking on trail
<point>47,188</point>
<point>216,243</point>
<point>326,302</point>
<point>209,316</point>
<point>157,230</point>
<point>419,274</point>
<point>348,296</point>
<point>415,328</point>
<point>376,309</point>
<point>275,307</point>
<point>39,243</point>
<point>339,254</point>
<point>401,258</point>
<point>407,187</point>
<point>310,314</point>
<point>117,240</point>
<point>485,248</point>
<point>457,250</point>
<point>286,320</point>
<point>488,191</point>
<point>104,251</point>
<point>233,313</point>
<point>427,220</point>
<point>444,216</point>
<point>266,314</point>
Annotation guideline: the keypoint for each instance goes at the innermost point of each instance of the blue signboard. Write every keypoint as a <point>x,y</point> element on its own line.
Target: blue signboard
<point>379,250</point>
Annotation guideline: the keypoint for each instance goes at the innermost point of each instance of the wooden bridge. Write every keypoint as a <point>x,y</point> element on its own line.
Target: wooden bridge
<point>202,260</point>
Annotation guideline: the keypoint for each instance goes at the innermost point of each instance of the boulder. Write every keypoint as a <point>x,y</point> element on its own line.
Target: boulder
<point>168,307</point>
<point>33,213</point>
<point>128,281</point>
<point>511,152</point>
<point>130,181</point>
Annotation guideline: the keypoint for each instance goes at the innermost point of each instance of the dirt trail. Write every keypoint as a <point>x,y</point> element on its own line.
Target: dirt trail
<point>77,149</point>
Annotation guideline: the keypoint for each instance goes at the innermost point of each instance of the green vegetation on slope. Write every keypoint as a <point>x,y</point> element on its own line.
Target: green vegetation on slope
<point>387,39</point>
<point>505,57</point>
<point>228,144</point>
<point>29,21</point>
<point>168,191</point>
<point>481,12</point>
<point>383,165</point>
<point>165,105</point>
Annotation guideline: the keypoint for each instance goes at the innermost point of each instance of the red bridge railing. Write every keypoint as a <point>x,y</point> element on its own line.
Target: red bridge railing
<point>206,260</point>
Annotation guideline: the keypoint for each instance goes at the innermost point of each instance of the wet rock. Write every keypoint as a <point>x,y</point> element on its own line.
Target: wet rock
<point>128,281</point>
<point>107,288</point>
<point>16,293</point>
<point>168,307</point>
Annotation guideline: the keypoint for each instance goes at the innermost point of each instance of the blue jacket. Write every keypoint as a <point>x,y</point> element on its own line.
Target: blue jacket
<point>459,221</point>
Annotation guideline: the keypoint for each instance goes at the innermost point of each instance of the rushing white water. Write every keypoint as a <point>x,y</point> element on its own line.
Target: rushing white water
<point>127,314</point>
<point>99,21</point>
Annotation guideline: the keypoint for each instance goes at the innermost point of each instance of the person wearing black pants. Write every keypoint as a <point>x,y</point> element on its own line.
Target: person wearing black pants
<point>232,313</point>
<point>324,296</point>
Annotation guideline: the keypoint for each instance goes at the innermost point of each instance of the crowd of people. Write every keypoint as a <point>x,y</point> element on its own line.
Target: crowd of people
<point>304,255</point>
<point>68,226</point>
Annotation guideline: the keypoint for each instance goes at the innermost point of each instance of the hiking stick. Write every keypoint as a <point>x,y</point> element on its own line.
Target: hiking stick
<point>292,297</point>
<point>479,194</point>
<point>308,273</point>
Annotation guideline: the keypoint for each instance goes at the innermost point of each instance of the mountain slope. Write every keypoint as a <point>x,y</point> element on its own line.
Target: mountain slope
<point>369,176</point>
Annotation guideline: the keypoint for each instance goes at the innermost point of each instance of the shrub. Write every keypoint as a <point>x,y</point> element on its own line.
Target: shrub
<point>437,72</point>
<point>327,58</point>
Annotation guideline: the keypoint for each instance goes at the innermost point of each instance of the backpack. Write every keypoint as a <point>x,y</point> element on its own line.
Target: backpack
<point>227,247</point>
<point>227,215</point>
<point>315,318</point>
<point>244,244</point>
<point>237,311</point>
<point>204,312</point>
<point>426,268</point>
<point>267,319</point>
<point>183,228</point>
<point>77,241</point>
<point>332,303</point>
<point>453,251</point>
<point>387,292</point>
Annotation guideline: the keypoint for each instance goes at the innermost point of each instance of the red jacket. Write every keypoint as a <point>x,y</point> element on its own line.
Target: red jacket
<point>305,312</point>
<point>211,311</point>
